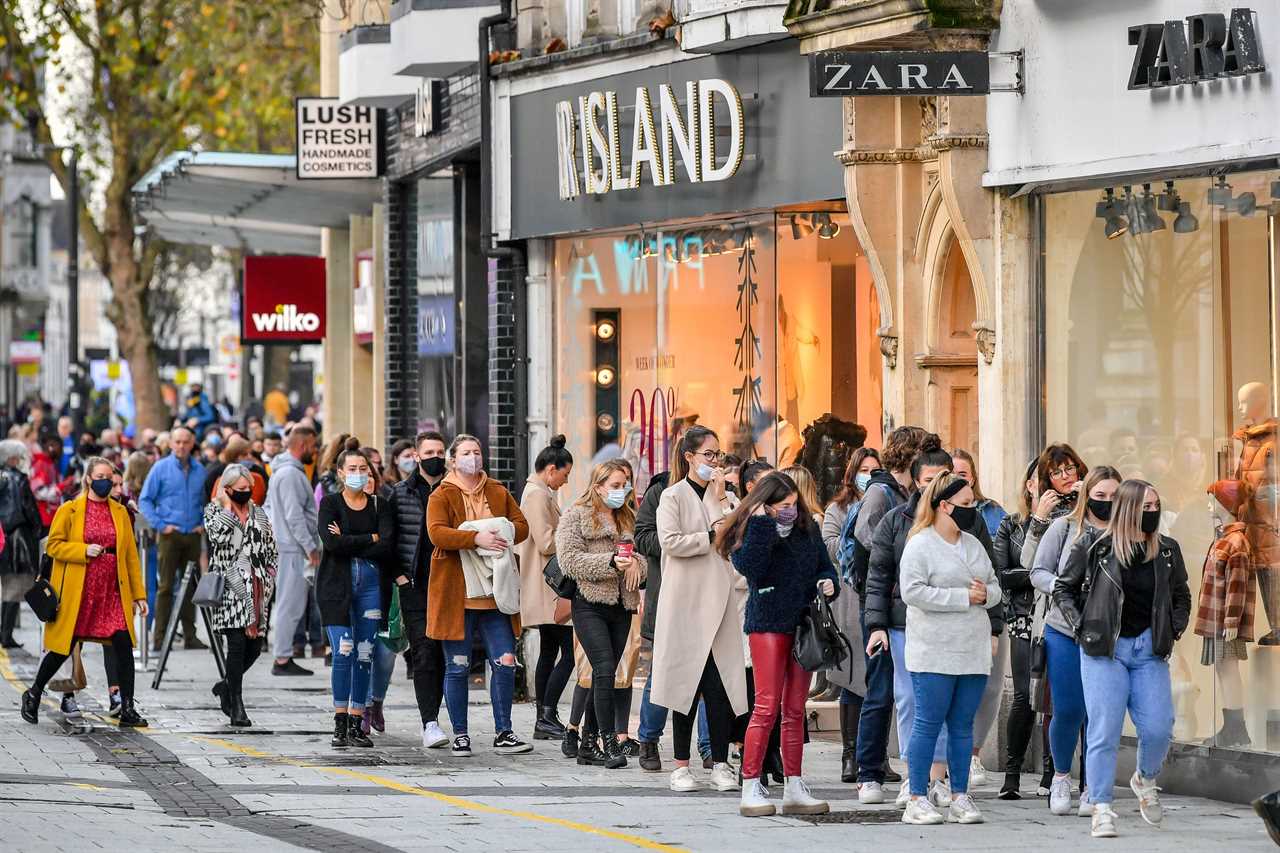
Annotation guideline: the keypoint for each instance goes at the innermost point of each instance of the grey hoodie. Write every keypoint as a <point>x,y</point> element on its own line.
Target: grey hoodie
<point>1050,561</point>
<point>291,506</point>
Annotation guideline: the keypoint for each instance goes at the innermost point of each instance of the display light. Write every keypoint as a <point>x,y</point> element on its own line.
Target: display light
<point>606,375</point>
<point>1151,219</point>
<point>605,330</point>
<point>826,227</point>
<point>1168,200</point>
<point>1185,222</point>
<point>1220,194</point>
<point>1108,210</point>
<point>1245,204</point>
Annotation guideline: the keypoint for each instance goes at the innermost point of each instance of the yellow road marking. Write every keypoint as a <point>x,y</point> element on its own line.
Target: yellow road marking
<point>87,786</point>
<point>448,799</point>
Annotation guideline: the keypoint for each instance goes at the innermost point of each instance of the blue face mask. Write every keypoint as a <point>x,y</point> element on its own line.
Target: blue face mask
<point>617,497</point>
<point>355,482</point>
<point>406,465</point>
<point>862,481</point>
<point>705,471</point>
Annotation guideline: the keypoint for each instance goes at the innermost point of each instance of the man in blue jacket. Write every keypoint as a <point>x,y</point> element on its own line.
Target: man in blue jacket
<point>173,502</point>
<point>200,413</point>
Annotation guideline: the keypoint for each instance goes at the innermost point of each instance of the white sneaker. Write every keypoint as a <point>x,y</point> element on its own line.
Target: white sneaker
<point>1060,795</point>
<point>1104,821</point>
<point>963,810</point>
<point>940,794</point>
<point>1086,807</point>
<point>904,794</point>
<point>1148,798</point>
<point>724,777</point>
<point>977,773</point>
<point>433,737</point>
<point>871,794</point>
<point>683,781</point>
<point>920,812</point>
<point>796,798</point>
<point>755,800</point>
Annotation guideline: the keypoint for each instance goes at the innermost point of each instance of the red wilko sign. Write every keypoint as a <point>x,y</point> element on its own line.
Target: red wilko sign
<point>283,298</point>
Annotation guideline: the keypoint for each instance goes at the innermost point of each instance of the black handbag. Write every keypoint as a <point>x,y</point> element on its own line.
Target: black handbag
<point>41,598</point>
<point>819,643</point>
<point>562,585</point>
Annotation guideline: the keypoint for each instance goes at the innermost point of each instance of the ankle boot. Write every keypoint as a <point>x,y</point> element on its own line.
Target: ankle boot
<point>339,729</point>
<point>548,726</point>
<point>31,706</point>
<point>129,716</point>
<point>569,746</point>
<point>1011,787</point>
<point>238,716</point>
<point>613,757</point>
<point>849,714</point>
<point>8,621</point>
<point>355,732</point>
<point>224,696</point>
<point>589,752</point>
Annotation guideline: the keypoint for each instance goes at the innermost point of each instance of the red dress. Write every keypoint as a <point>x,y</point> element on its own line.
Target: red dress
<point>101,613</point>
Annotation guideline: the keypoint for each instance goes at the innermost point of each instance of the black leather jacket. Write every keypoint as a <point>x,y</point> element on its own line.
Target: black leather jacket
<point>1015,580</point>
<point>883,604</point>
<point>409,500</point>
<point>1090,593</point>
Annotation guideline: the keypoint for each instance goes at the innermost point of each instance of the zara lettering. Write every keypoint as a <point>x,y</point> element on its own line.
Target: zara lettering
<point>589,139</point>
<point>1207,47</point>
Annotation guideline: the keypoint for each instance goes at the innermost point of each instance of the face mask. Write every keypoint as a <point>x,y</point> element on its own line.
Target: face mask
<point>307,458</point>
<point>240,497</point>
<point>964,516</point>
<point>616,497</point>
<point>87,449</point>
<point>101,488</point>
<point>705,471</point>
<point>407,465</point>
<point>470,465</point>
<point>1150,521</point>
<point>862,481</point>
<point>355,482</point>
<point>433,466</point>
<point>1101,509</point>
<point>786,515</point>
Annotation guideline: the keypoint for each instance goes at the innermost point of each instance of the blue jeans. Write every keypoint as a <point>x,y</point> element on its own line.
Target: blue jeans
<point>653,718</point>
<point>940,699</point>
<point>877,712</point>
<point>353,644</point>
<point>384,661</point>
<point>904,700</point>
<point>704,731</point>
<point>499,644</point>
<point>1135,681</point>
<point>1063,670</point>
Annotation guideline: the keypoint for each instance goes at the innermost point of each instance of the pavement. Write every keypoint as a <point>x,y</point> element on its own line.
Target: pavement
<point>190,780</point>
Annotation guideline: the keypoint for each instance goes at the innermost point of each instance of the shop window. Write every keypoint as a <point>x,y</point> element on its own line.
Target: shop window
<point>1161,351</point>
<point>437,304</point>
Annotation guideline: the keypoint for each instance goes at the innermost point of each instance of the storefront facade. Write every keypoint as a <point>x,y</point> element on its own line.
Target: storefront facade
<point>741,297</point>
<point>1153,204</point>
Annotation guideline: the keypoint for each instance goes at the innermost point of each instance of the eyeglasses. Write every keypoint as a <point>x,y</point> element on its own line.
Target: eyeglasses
<point>711,455</point>
<point>1064,471</point>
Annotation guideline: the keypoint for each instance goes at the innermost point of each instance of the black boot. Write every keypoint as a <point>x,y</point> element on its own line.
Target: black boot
<point>649,758</point>
<point>355,732</point>
<point>340,729</point>
<point>548,726</point>
<point>224,696</point>
<point>8,621</point>
<point>849,714</point>
<point>891,775</point>
<point>238,716</point>
<point>613,757</point>
<point>569,747</point>
<point>129,716</point>
<point>31,707</point>
<point>589,751</point>
<point>1010,790</point>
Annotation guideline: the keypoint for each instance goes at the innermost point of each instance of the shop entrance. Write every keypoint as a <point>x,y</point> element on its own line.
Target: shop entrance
<point>952,360</point>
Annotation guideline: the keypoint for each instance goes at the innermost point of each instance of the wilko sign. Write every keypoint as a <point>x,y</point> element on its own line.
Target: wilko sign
<point>336,141</point>
<point>284,299</point>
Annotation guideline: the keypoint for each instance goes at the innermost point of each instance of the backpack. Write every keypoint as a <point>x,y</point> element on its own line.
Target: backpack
<point>860,560</point>
<point>848,544</point>
<point>11,516</point>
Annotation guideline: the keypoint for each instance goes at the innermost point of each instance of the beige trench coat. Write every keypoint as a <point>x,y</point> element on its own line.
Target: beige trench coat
<point>698,609</point>
<point>537,601</point>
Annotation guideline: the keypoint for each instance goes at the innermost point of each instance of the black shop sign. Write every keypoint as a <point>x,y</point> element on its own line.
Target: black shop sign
<point>842,74</point>
<point>1205,48</point>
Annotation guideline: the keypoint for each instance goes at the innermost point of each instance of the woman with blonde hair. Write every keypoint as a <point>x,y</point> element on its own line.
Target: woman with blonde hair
<point>808,488</point>
<point>98,580</point>
<point>595,545</point>
<point>948,584</point>
<point>1126,598</point>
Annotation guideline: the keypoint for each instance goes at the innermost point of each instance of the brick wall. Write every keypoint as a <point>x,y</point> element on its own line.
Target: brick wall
<point>400,304</point>
<point>457,123</point>
<point>504,387</point>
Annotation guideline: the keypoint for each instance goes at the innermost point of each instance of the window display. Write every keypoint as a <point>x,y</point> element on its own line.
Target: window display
<point>437,304</point>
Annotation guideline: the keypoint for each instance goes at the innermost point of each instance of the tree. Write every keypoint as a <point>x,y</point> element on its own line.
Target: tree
<point>145,78</point>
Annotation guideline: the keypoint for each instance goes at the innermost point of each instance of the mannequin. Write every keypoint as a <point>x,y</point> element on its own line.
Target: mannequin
<point>1224,617</point>
<point>1256,468</point>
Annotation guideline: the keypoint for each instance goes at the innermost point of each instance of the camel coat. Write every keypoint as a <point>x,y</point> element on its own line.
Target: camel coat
<point>446,588</point>
<point>66,547</point>
<point>698,609</point>
<point>537,601</point>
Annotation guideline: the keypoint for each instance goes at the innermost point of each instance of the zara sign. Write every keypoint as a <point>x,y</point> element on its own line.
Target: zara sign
<point>1207,47</point>
<point>842,74</point>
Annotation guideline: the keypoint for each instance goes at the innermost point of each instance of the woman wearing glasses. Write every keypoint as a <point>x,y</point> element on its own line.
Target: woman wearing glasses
<point>697,643</point>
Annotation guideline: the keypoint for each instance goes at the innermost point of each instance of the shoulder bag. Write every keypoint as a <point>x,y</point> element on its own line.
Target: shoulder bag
<point>563,586</point>
<point>212,583</point>
<point>819,643</point>
<point>41,598</point>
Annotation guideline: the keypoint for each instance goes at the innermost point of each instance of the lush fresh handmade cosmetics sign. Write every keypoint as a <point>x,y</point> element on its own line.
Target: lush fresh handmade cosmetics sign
<point>336,142</point>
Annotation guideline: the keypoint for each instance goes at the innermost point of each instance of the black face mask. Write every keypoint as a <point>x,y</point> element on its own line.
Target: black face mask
<point>432,466</point>
<point>87,450</point>
<point>1101,509</point>
<point>240,497</point>
<point>964,516</point>
<point>1150,521</point>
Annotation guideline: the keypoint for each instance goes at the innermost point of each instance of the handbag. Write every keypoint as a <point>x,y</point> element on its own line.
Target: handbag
<point>41,598</point>
<point>819,643</point>
<point>209,591</point>
<point>393,636</point>
<point>561,584</point>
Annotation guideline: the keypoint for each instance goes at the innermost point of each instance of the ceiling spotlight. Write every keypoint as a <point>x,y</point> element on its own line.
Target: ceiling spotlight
<point>1245,204</point>
<point>801,226</point>
<point>1220,194</point>
<point>1151,220</point>
<point>605,376</point>
<point>1115,227</point>
<point>1109,210</point>
<point>1133,212</point>
<point>1185,222</point>
<point>826,228</point>
<point>1168,200</point>
<point>605,330</point>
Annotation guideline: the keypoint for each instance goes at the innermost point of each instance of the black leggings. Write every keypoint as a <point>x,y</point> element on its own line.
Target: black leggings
<point>719,716</point>
<point>555,663</point>
<point>602,630</point>
<point>1022,718</point>
<point>121,644</point>
<point>584,705</point>
<point>242,651</point>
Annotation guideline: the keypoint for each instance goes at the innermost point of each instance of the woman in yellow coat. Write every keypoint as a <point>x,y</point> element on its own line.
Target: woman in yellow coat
<point>98,580</point>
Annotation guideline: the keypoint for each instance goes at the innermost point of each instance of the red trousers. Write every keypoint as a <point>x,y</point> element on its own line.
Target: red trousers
<point>780,682</point>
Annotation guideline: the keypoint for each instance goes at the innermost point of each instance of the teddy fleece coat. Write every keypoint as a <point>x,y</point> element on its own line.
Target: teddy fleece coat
<point>586,543</point>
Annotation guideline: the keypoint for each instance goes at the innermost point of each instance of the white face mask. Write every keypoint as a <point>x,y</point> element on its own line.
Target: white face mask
<point>470,465</point>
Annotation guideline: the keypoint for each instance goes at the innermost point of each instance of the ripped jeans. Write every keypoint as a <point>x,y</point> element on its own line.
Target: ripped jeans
<point>500,647</point>
<point>352,644</point>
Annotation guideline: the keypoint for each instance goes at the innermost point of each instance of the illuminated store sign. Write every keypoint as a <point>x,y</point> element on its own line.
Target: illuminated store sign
<point>589,139</point>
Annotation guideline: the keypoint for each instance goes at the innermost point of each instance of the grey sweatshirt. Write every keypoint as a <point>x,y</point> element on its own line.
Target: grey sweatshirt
<point>1051,559</point>
<point>291,506</point>
<point>945,633</point>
